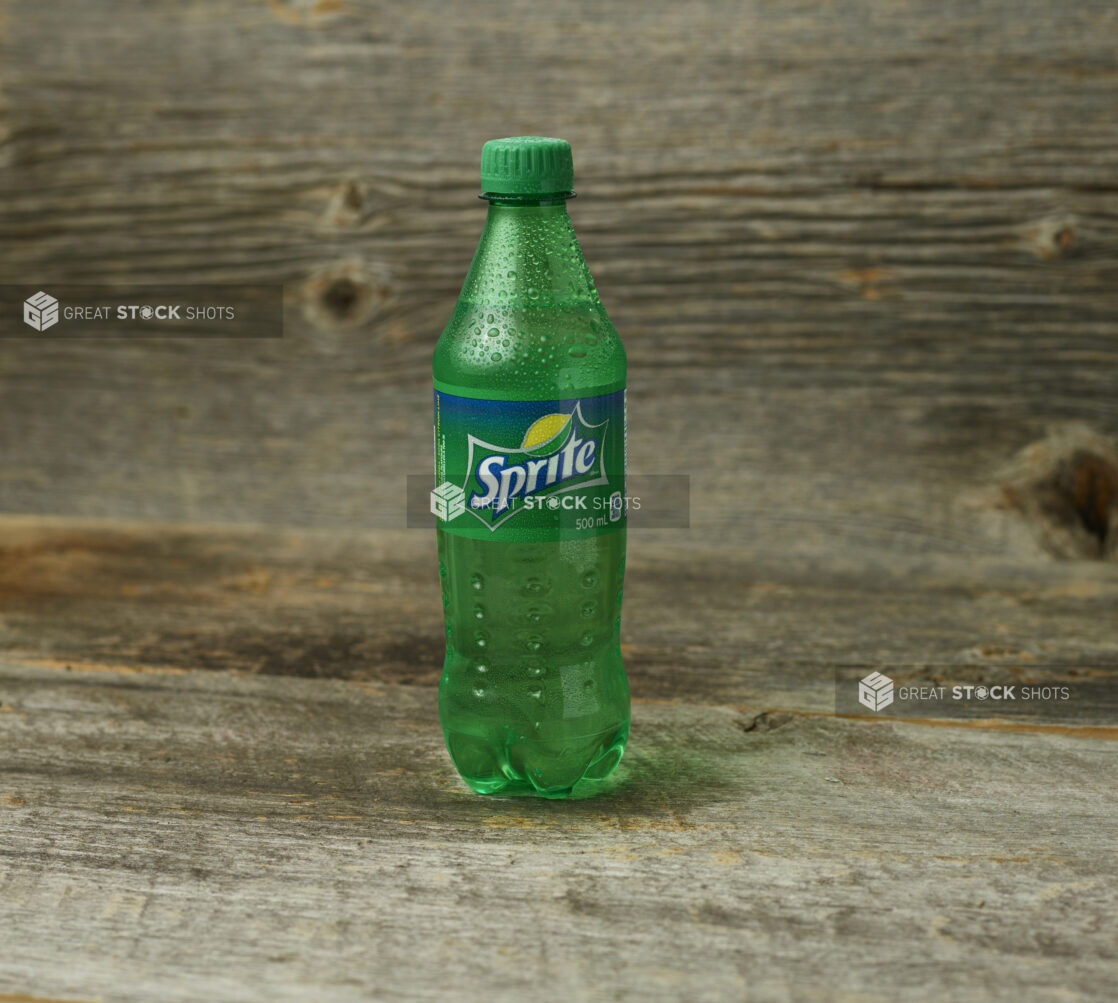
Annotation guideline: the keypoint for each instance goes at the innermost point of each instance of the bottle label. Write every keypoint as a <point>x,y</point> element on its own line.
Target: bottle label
<point>529,470</point>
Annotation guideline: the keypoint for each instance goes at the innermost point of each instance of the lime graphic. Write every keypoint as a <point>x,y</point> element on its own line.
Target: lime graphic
<point>546,434</point>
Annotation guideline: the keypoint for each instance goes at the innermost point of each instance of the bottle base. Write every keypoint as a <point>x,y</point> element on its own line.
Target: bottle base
<point>529,772</point>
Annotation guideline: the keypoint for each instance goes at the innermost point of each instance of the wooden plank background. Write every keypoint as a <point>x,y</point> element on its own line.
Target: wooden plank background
<point>862,254</point>
<point>703,623</point>
<point>864,257</point>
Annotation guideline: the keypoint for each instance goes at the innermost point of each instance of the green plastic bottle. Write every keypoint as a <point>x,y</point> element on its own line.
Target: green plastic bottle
<point>530,495</point>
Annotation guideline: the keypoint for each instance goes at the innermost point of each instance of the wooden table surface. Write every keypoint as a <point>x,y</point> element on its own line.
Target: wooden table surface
<point>223,777</point>
<point>864,258</point>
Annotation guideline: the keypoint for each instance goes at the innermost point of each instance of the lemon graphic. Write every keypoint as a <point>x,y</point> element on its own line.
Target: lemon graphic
<point>546,431</point>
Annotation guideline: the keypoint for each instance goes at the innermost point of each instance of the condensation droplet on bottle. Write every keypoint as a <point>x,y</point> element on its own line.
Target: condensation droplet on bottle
<point>576,352</point>
<point>493,332</point>
<point>496,356</point>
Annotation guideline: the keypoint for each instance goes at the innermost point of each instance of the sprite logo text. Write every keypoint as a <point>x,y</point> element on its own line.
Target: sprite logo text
<point>559,452</point>
<point>529,470</point>
<point>509,482</point>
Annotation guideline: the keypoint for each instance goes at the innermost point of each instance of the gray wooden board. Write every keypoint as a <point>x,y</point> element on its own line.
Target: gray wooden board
<point>182,835</point>
<point>862,254</point>
<point>864,258</point>
<point>702,622</point>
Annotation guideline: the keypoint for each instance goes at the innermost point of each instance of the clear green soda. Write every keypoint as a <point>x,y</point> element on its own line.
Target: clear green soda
<point>530,441</point>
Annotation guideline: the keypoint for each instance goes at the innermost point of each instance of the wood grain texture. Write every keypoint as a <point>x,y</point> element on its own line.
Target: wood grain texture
<point>862,254</point>
<point>702,623</point>
<point>23,998</point>
<point>864,257</point>
<point>196,834</point>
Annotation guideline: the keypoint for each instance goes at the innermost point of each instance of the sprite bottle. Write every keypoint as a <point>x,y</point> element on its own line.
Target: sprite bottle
<point>530,495</point>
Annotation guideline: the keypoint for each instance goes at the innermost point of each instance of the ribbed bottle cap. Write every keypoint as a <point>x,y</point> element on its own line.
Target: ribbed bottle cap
<point>526,165</point>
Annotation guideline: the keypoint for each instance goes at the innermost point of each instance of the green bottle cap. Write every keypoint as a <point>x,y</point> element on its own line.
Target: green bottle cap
<point>526,165</point>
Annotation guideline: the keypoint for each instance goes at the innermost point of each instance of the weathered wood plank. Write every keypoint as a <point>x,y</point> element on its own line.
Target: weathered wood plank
<point>197,834</point>
<point>702,622</point>
<point>873,245</point>
<point>864,257</point>
<point>23,998</point>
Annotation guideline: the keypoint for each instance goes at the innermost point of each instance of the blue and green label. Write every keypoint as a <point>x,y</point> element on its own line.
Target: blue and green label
<point>529,470</point>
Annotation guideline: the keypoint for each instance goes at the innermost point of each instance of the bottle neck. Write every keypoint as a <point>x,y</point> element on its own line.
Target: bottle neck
<point>528,256</point>
<point>513,201</point>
